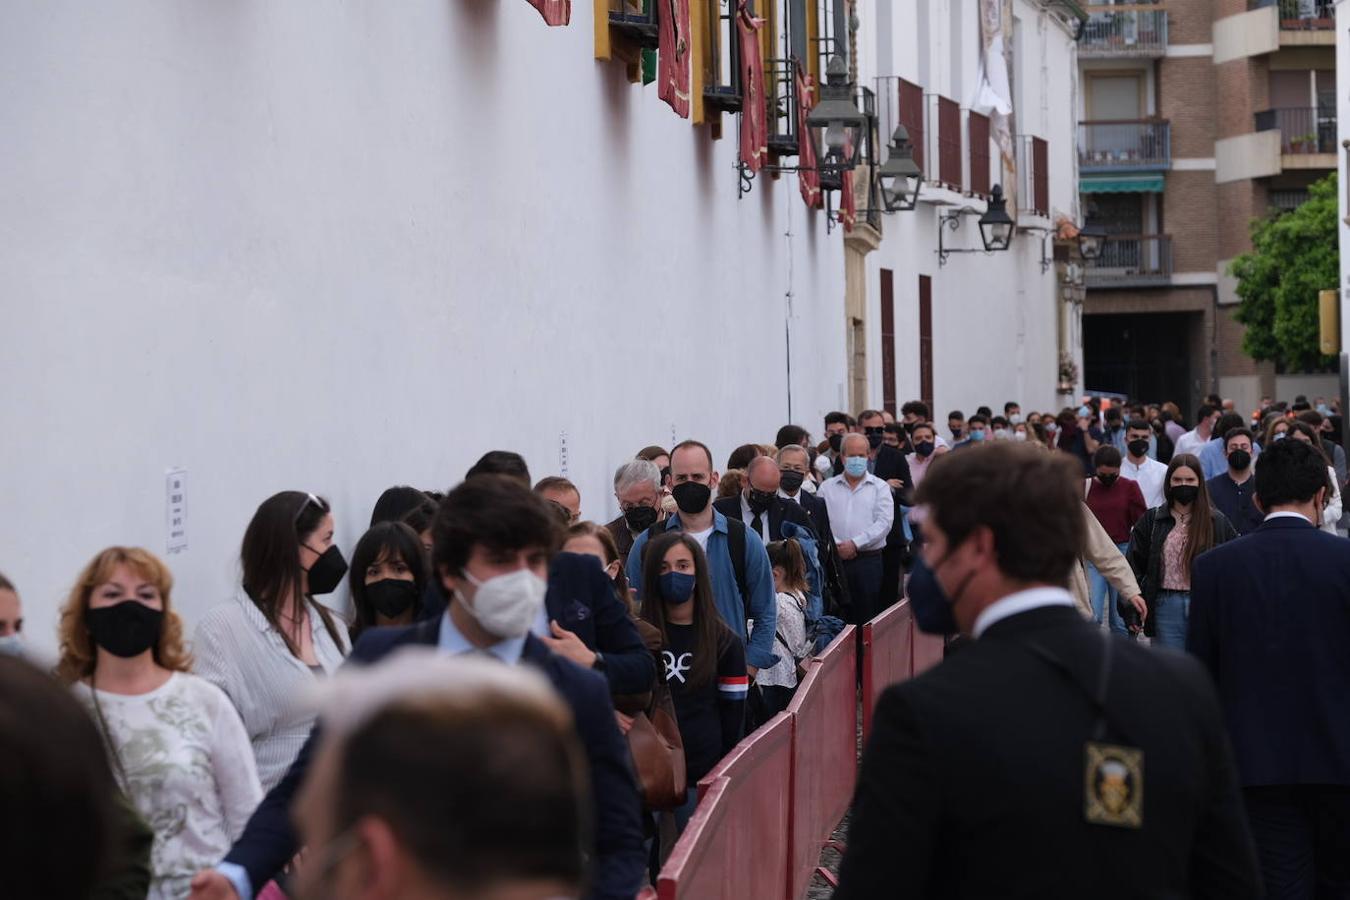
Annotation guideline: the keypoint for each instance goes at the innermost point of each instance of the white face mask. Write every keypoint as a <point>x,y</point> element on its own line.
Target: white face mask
<point>1019,436</point>
<point>507,605</point>
<point>11,645</point>
<point>1016,418</point>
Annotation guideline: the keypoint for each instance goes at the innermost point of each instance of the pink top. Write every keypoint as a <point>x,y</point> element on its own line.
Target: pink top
<point>1176,576</point>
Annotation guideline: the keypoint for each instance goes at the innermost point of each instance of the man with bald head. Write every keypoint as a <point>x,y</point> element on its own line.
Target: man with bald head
<point>862,511</point>
<point>759,506</point>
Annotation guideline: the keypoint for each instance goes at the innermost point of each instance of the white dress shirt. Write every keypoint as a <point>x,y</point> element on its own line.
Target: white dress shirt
<point>1149,475</point>
<point>1190,442</point>
<point>861,514</point>
<point>1020,602</point>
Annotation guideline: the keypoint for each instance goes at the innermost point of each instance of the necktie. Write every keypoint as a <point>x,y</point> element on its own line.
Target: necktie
<point>757,523</point>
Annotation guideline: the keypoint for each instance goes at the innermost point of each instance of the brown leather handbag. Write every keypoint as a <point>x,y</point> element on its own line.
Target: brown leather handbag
<point>658,753</point>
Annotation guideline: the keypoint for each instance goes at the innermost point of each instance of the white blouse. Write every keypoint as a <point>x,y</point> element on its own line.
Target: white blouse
<point>189,772</point>
<point>239,652</point>
<point>791,627</point>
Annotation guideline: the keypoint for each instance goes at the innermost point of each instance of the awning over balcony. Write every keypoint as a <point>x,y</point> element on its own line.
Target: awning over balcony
<point>1121,184</point>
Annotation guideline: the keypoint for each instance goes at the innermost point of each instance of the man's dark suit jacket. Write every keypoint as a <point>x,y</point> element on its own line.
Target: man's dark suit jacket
<point>583,600</point>
<point>779,511</point>
<point>269,841</point>
<point>1270,619</point>
<point>972,781</point>
<point>819,512</point>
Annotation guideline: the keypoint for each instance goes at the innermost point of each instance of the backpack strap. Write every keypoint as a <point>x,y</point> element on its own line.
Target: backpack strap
<point>736,547</point>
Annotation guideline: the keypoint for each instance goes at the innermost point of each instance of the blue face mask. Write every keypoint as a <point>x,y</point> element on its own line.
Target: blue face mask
<point>11,645</point>
<point>856,466</point>
<point>933,610</point>
<point>977,435</point>
<point>677,587</point>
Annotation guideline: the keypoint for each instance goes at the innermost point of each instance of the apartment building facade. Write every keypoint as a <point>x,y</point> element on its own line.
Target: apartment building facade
<point>1196,117</point>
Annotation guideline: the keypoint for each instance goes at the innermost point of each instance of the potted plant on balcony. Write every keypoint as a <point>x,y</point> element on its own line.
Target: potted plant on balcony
<point>1304,143</point>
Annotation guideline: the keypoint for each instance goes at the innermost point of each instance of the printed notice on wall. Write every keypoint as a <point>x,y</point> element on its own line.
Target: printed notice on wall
<point>562,453</point>
<point>175,498</point>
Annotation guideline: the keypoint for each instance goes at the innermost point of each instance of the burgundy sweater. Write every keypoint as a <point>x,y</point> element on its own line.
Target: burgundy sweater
<point>1117,507</point>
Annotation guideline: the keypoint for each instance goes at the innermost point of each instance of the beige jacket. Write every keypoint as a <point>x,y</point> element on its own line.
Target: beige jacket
<point>1101,552</point>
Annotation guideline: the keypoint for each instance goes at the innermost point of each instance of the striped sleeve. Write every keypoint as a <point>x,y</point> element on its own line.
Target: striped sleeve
<point>733,687</point>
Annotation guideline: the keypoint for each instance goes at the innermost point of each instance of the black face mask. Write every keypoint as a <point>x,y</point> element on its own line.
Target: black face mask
<point>1107,480</point>
<point>924,448</point>
<point>1185,494</point>
<point>1138,447</point>
<point>1239,460</point>
<point>836,441</point>
<point>790,481</point>
<point>640,518</point>
<point>759,501</point>
<point>125,629</point>
<point>691,497</point>
<point>875,440</point>
<point>326,573</point>
<point>392,597</point>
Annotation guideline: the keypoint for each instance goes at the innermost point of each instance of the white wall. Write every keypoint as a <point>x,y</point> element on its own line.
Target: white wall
<point>1342,174</point>
<point>994,317</point>
<point>335,247</point>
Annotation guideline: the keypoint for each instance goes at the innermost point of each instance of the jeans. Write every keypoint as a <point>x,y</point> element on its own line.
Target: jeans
<point>1171,611</point>
<point>686,812</point>
<point>1104,597</point>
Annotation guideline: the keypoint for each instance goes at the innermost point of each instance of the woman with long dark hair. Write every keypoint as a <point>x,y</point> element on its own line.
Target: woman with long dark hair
<point>705,660</point>
<point>177,747</point>
<point>265,647</point>
<point>1165,542</point>
<point>388,575</point>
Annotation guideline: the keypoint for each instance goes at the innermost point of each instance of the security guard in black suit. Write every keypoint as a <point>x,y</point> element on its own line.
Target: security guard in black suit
<point>1046,758</point>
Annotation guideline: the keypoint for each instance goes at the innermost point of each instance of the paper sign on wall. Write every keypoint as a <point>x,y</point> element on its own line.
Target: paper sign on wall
<point>562,453</point>
<point>175,497</point>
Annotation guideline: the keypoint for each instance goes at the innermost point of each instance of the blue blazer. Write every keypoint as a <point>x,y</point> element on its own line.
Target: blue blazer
<point>269,841</point>
<point>583,600</point>
<point>1270,618</point>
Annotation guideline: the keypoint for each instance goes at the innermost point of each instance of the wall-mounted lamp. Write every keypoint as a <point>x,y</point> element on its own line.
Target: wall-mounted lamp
<point>996,226</point>
<point>899,177</point>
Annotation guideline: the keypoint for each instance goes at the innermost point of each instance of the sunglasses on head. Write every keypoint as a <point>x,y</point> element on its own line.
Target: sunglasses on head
<point>309,498</point>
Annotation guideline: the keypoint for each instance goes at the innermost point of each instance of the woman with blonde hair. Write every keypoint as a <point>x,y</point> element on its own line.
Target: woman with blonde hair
<point>176,744</point>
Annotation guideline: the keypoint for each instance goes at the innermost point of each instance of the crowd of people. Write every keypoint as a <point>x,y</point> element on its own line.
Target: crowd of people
<point>637,652</point>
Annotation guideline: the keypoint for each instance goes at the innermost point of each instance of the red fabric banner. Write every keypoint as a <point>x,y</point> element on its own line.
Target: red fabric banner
<point>754,113</point>
<point>555,12</point>
<point>673,69</point>
<point>808,176</point>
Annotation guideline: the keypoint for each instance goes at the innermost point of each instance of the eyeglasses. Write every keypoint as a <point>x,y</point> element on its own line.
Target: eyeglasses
<point>875,430</point>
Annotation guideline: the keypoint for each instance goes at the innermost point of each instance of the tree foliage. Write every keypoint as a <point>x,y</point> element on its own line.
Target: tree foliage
<point>1293,256</point>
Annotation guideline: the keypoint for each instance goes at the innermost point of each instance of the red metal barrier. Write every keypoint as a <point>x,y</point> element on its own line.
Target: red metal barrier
<point>928,650</point>
<point>888,656</point>
<point>736,844</point>
<point>824,756</point>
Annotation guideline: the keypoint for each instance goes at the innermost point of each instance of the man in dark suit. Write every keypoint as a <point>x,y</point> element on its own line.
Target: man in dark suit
<point>759,505</point>
<point>1270,618</point>
<point>1048,758</point>
<point>794,468</point>
<point>493,539</point>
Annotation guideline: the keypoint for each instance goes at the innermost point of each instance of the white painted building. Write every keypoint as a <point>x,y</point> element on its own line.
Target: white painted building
<point>1343,180</point>
<point>996,324</point>
<point>336,247</point>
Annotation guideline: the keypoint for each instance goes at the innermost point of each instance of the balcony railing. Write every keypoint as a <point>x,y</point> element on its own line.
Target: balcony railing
<point>1122,31</point>
<point>636,20</point>
<point>977,139</point>
<point>1301,15</point>
<point>1033,175</point>
<point>1131,260</point>
<point>1302,130</point>
<point>1133,144</point>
